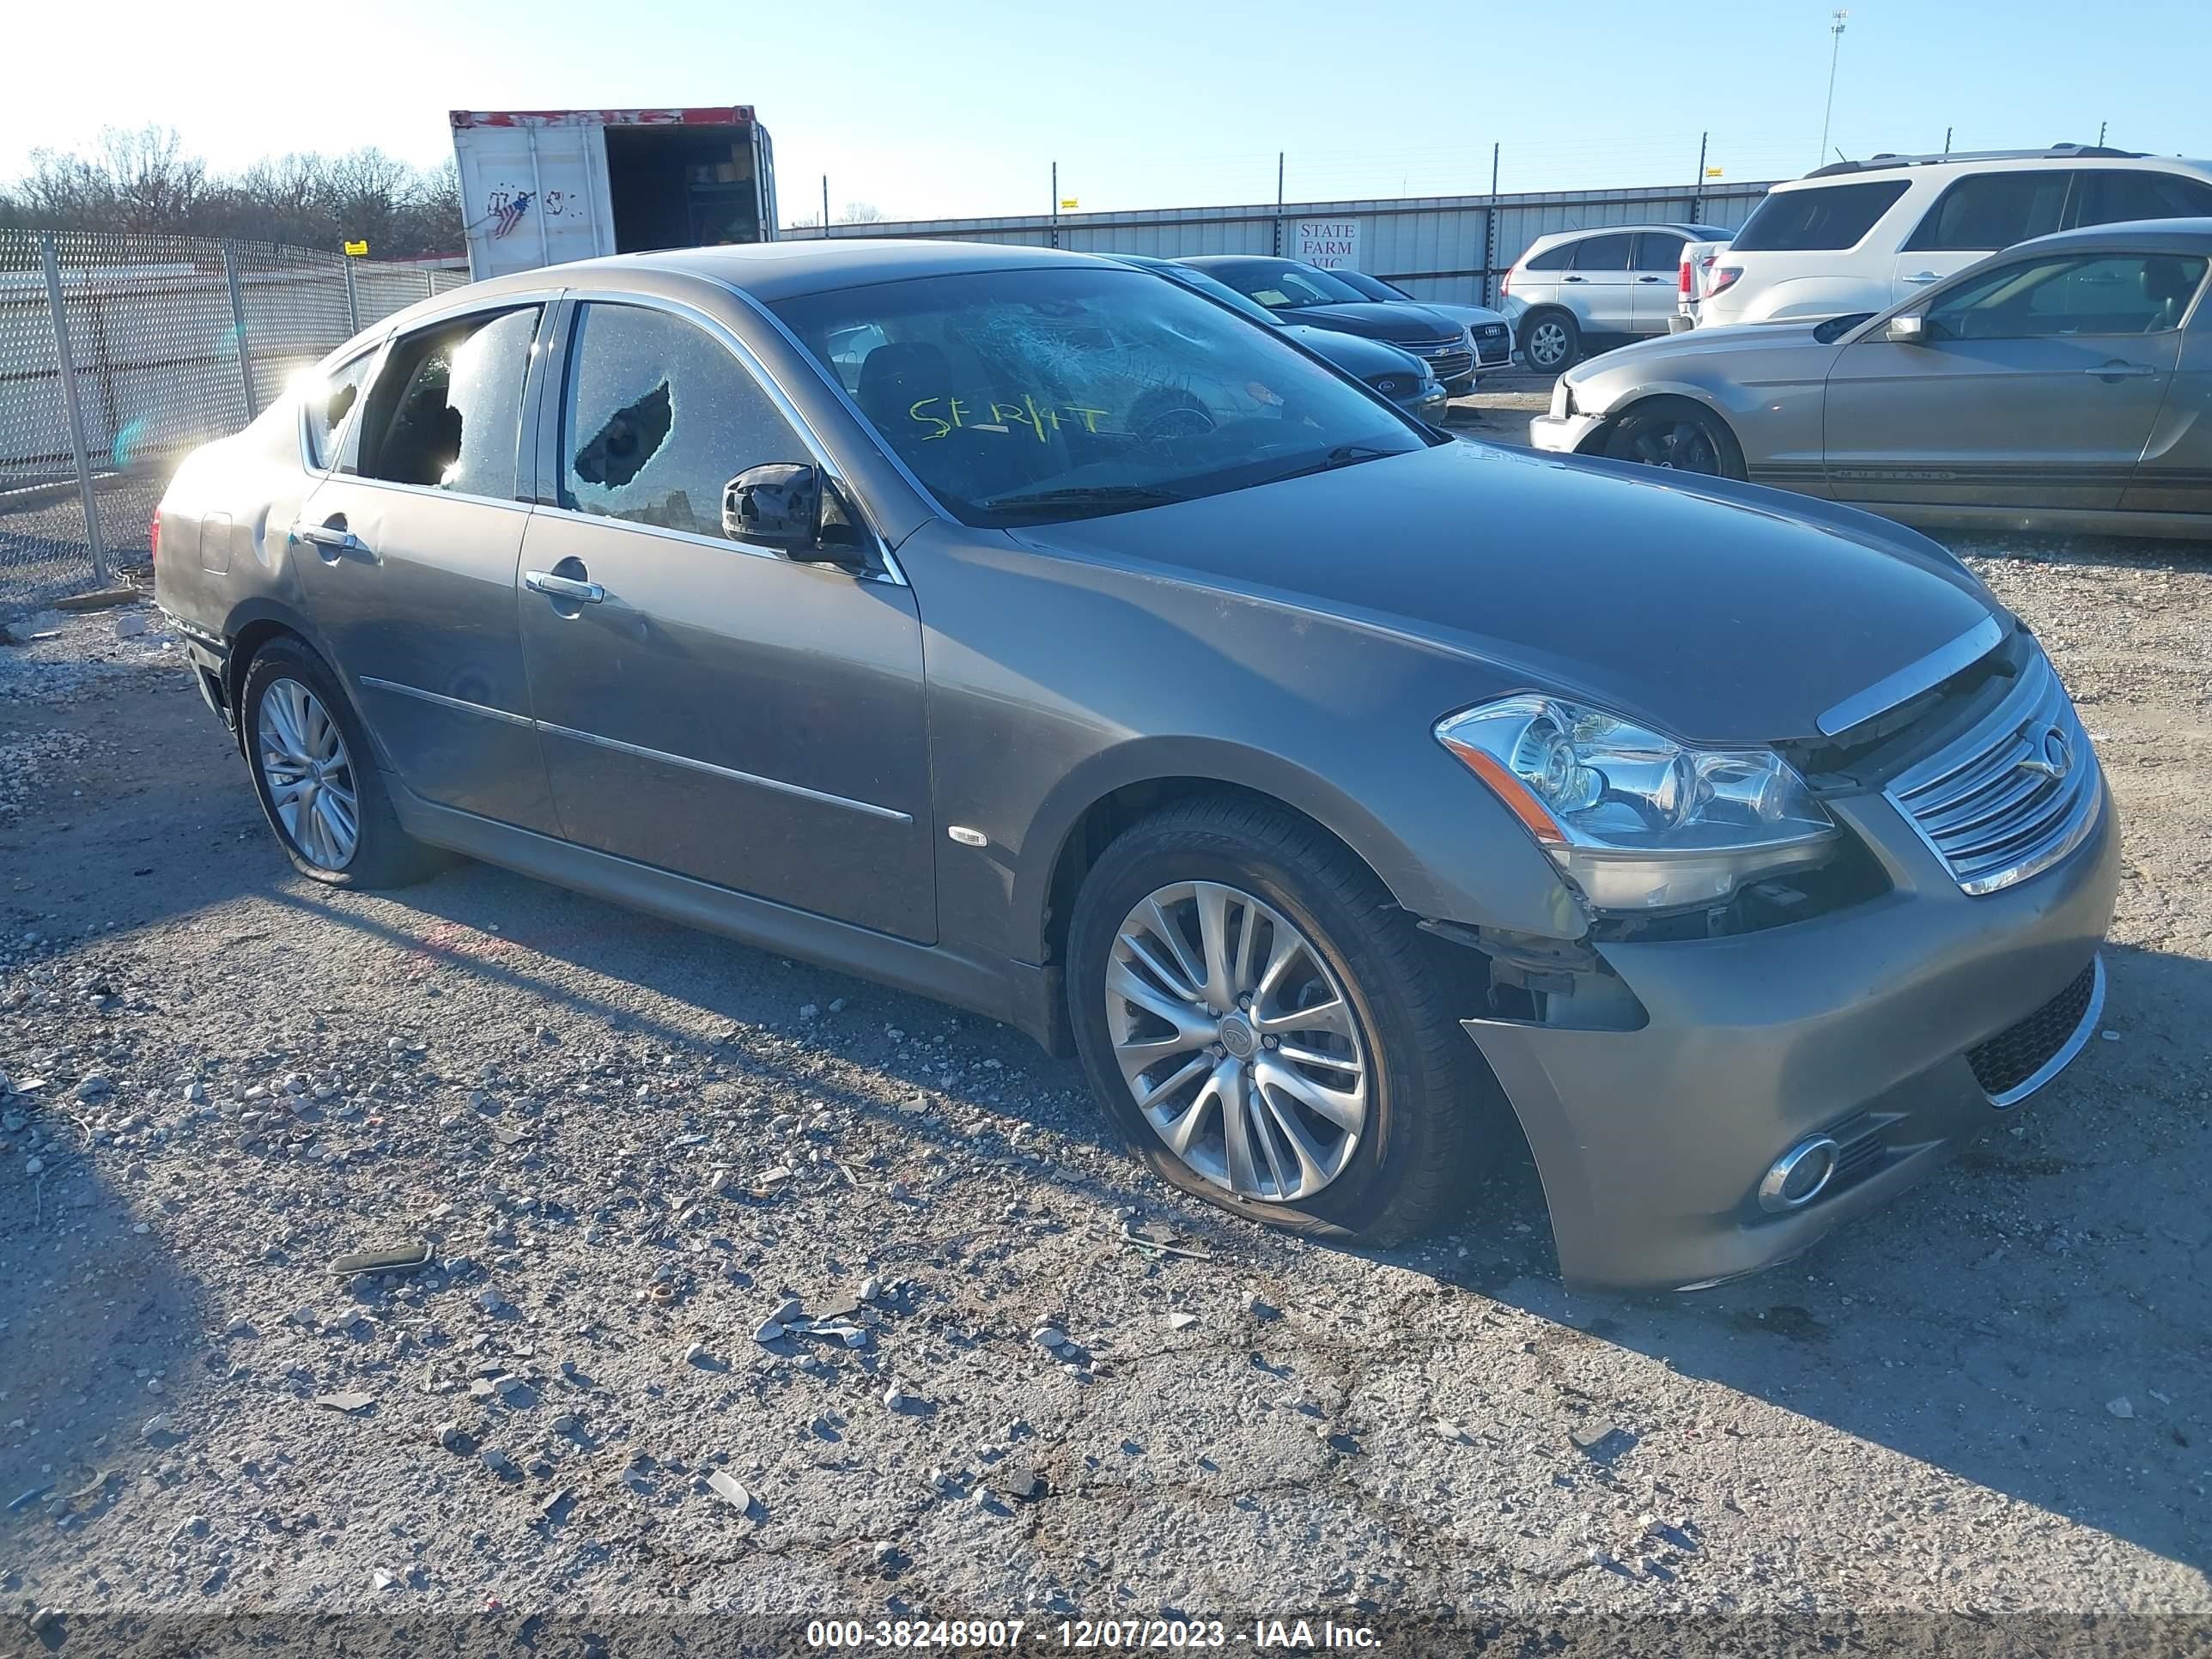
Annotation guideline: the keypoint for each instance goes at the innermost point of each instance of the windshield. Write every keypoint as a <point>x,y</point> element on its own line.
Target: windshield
<point>1019,396</point>
<point>1218,291</point>
<point>1373,287</point>
<point>1276,283</point>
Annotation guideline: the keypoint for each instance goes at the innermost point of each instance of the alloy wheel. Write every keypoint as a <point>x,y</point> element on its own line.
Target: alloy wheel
<point>1682,446</point>
<point>1236,1041</point>
<point>309,775</point>
<point>1547,345</point>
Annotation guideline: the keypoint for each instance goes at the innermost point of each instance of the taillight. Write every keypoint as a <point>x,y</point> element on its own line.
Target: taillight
<point>1505,285</point>
<point>1723,279</point>
<point>154,556</point>
<point>1683,285</point>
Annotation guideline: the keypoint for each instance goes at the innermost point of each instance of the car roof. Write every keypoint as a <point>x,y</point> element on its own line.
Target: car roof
<point>1696,232</point>
<point>1215,261</point>
<point>2131,236</point>
<point>770,271</point>
<point>2060,156</point>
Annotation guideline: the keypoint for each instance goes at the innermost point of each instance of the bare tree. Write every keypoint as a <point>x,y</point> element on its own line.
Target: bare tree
<point>146,181</point>
<point>860,213</point>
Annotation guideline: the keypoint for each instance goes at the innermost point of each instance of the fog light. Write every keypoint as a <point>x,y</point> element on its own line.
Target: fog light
<point>1799,1175</point>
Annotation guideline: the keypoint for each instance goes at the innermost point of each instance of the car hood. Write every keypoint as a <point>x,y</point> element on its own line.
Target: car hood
<point>1374,320</point>
<point>1641,356</point>
<point>1355,355</point>
<point>1716,612</point>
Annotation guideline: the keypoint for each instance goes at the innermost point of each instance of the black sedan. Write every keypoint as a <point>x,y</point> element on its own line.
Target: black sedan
<point>1306,293</point>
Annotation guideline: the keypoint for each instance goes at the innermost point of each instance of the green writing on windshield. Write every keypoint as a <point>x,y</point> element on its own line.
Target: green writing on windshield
<point>1040,420</point>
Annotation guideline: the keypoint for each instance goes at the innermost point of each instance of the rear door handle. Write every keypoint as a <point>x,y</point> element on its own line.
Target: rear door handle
<point>1924,276</point>
<point>1650,279</point>
<point>564,587</point>
<point>1572,279</point>
<point>2120,371</point>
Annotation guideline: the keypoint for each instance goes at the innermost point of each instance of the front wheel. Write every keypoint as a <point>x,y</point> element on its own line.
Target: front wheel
<point>1260,1021</point>
<point>1677,434</point>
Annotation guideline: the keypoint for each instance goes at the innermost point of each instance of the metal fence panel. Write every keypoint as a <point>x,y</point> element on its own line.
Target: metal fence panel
<point>44,546</point>
<point>1445,247</point>
<point>172,341</point>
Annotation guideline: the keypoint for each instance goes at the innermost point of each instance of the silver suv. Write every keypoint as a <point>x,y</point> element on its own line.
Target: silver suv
<point>1580,290</point>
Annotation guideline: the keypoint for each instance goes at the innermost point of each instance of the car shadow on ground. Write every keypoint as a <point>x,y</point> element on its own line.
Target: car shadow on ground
<point>101,1324</point>
<point>1971,1325</point>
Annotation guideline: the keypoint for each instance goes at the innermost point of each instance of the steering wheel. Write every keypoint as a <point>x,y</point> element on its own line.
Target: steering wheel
<point>1166,412</point>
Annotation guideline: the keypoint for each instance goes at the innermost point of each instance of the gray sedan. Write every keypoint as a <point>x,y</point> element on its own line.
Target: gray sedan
<point>1015,627</point>
<point>2064,384</point>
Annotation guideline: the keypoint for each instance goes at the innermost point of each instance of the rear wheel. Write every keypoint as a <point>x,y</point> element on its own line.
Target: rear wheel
<point>1551,341</point>
<point>1677,434</point>
<point>317,779</point>
<point>1259,1019</point>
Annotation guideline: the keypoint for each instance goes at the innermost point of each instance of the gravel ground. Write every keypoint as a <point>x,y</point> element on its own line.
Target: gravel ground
<point>757,1288</point>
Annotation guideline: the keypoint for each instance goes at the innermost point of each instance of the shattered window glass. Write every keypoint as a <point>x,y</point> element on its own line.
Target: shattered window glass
<point>657,417</point>
<point>1053,391</point>
<point>455,420</point>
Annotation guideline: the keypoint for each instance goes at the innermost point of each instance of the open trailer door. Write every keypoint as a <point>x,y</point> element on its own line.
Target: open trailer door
<point>542,187</point>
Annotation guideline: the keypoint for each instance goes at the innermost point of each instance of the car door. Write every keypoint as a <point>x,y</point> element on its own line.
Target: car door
<point>1600,288</point>
<point>2175,473</point>
<point>2036,385</point>
<point>1974,217</point>
<point>713,707</point>
<point>1657,269</point>
<point>406,554</point>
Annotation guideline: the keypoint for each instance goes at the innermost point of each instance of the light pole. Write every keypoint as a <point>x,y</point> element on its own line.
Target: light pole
<point>1835,50</point>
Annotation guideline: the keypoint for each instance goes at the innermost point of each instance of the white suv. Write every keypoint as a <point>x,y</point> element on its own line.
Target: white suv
<point>1861,235</point>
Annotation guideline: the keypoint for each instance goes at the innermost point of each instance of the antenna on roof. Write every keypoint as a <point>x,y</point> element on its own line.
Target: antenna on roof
<point>1835,50</point>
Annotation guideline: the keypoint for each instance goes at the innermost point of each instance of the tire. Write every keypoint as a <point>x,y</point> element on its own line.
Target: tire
<point>1551,341</point>
<point>1405,1170</point>
<point>308,718</point>
<point>1675,434</point>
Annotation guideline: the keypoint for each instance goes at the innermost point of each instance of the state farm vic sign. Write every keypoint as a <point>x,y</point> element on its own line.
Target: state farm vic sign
<point>1332,244</point>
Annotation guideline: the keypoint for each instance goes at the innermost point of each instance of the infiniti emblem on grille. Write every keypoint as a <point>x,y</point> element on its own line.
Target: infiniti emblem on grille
<point>2048,754</point>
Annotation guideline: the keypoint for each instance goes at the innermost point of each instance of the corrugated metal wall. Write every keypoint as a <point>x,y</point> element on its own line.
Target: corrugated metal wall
<point>1436,247</point>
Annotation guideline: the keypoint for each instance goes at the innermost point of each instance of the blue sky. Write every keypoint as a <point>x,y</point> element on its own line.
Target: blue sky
<point>954,108</point>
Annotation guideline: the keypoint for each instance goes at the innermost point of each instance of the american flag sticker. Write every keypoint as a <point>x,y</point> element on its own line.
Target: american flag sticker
<point>507,213</point>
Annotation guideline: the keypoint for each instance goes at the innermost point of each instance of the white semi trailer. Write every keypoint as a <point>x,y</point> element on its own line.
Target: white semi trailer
<point>541,187</point>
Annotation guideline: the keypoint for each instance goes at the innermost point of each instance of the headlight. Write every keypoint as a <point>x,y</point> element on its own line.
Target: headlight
<point>1637,821</point>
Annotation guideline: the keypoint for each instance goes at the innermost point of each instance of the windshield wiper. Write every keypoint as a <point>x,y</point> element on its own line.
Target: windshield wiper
<point>1078,497</point>
<point>1342,455</point>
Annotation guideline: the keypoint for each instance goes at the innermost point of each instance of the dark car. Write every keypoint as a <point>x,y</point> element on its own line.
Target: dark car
<point>1306,293</point>
<point>1399,375</point>
<point>1492,334</point>
<point>1012,627</point>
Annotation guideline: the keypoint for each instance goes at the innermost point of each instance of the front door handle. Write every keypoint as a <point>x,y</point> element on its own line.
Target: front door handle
<point>1573,279</point>
<point>564,587</point>
<point>331,538</point>
<point>2117,370</point>
<point>1924,276</point>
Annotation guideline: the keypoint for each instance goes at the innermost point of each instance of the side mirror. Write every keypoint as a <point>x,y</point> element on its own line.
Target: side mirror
<point>1910,328</point>
<point>787,505</point>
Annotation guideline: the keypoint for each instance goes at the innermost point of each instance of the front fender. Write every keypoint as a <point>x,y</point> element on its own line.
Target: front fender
<point>1413,855</point>
<point>1055,681</point>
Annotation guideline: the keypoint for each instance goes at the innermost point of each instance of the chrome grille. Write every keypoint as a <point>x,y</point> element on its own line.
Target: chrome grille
<point>2012,797</point>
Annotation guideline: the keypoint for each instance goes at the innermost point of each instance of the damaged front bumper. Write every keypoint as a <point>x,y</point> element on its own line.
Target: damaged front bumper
<point>1652,1143</point>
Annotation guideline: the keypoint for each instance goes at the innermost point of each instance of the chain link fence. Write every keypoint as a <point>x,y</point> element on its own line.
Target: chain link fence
<point>119,354</point>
